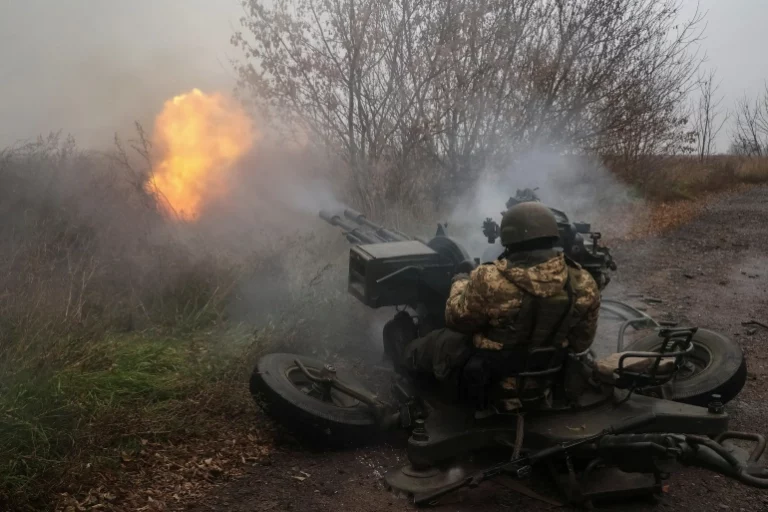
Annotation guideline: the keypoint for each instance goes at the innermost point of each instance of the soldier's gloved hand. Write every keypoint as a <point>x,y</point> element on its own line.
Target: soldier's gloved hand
<point>459,277</point>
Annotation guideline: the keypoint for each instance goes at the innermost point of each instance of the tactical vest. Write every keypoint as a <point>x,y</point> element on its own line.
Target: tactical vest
<point>534,349</point>
<point>540,321</point>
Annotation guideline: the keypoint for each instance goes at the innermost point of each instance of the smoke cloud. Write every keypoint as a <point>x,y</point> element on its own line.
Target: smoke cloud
<point>95,68</point>
<point>577,184</point>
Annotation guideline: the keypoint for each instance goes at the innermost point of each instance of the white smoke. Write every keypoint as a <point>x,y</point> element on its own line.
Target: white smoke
<point>577,184</point>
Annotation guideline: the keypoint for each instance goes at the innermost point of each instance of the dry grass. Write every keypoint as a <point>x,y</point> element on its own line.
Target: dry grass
<point>669,179</point>
<point>62,435</point>
<point>752,170</point>
<point>116,329</point>
<point>83,250</point>
<point>665,216</point>
<point>675,189</point>
<point>84,256</point>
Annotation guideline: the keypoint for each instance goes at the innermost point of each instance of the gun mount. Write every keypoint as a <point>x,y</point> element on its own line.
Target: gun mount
<point>577,240</point>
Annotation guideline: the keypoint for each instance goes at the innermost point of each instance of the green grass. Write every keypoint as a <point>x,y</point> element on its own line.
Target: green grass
<point>139,370</point>
<point>125,386</point>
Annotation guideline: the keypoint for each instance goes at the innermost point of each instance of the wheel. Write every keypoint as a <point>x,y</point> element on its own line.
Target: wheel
<point>716,367</point>
<point>317,415</point>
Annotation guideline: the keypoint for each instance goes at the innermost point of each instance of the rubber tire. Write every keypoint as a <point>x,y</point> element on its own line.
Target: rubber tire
<point>310,419</point>
<point>725,375</point>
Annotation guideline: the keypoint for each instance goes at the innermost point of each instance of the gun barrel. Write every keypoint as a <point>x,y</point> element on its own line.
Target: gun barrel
<point>329,217</point>
<point>353,233</point>
<point>388,235</point>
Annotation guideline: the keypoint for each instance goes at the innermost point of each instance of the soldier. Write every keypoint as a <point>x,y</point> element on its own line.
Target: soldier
<point>532,296</point>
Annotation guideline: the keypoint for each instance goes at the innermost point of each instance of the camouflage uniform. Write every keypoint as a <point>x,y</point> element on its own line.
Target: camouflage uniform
<point>491,299</point>
<point>492,296</point>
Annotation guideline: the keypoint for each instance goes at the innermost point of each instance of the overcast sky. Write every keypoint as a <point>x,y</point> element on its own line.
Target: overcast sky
<point>92,67</point>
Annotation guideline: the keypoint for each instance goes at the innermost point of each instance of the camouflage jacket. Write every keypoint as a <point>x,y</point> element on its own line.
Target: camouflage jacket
<point>492,295</point>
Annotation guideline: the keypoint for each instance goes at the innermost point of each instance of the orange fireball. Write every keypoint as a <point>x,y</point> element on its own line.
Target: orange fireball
<point>199,139</point>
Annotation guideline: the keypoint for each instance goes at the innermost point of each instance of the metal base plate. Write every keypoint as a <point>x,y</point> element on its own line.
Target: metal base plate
<point>408,480</point>
<point>611,484</point>
<point>453,433</point>
<point>605,484</point>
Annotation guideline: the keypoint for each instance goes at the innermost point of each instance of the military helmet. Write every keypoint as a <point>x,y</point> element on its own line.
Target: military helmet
<point>528,221</point>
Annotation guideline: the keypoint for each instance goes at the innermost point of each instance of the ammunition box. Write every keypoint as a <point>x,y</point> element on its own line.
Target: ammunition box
<point>397,273</point>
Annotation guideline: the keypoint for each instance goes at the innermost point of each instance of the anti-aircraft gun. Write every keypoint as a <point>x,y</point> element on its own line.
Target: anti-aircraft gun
<point>628,435</point>
<point>577,240</point>
<point>389,268</point>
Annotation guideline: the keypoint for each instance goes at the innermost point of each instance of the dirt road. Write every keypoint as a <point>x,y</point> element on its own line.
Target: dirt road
<point>712,272</point>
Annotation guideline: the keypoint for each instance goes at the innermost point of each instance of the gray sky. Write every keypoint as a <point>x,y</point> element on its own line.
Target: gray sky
<point>734,37</point>
<point>92,67</point>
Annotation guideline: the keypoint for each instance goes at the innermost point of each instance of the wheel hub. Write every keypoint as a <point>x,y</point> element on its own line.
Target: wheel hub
<point>320,390</point>
<point>696,363</point>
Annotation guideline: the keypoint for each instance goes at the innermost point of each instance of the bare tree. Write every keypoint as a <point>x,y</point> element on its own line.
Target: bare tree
<point>349,72</point>
<point>708,118</point>
<point>412,93</point>
<point>599,75</point>
<point>750,130</point>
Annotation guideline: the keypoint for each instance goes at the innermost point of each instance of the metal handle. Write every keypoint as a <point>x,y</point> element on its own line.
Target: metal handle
<point>759,441</point>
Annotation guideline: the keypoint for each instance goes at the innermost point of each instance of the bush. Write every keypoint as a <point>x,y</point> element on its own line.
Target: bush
<point>85,255</point>
<point>116,323</point>
<point>84,250</point>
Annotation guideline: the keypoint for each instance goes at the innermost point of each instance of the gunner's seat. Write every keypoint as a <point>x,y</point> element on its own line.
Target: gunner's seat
<point>516,378</point>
